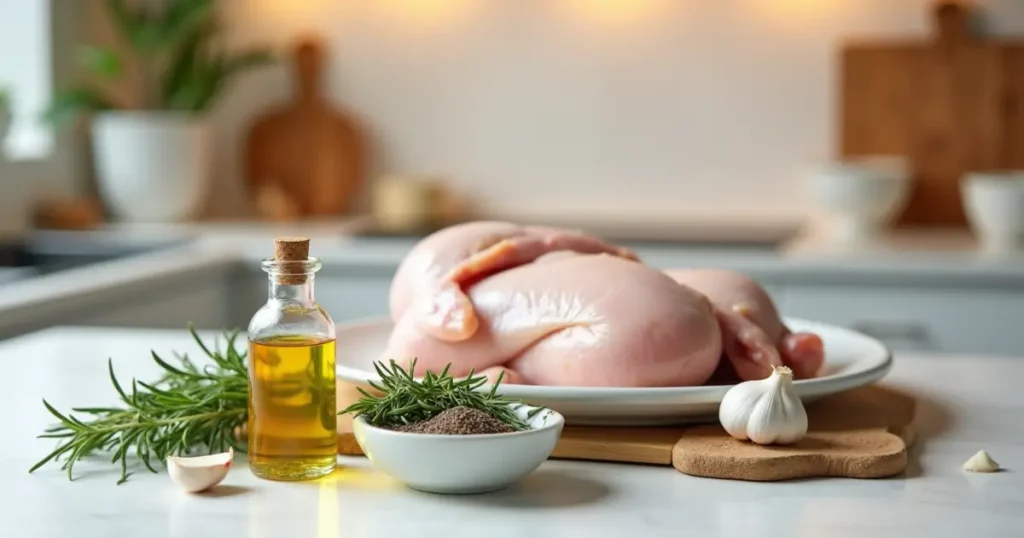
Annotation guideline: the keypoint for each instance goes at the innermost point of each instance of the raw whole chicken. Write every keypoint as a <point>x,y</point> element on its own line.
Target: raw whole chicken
<point>754,337</point>
<point>581,320</point>
<point>432,278</point>
<point>548,306</point>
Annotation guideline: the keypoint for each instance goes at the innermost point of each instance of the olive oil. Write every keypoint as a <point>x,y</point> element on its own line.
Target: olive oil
<point>292,429</point>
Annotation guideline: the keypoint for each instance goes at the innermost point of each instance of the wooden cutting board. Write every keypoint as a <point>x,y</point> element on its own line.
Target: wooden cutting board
<point>306,158</point>
<point>862,433</point>
<point>949,103</point>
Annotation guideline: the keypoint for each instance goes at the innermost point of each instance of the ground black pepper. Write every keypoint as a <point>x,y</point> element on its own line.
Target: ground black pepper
<point>459,420</point>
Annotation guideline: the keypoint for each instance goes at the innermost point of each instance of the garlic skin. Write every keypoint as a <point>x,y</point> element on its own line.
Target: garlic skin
<point>199,473</point>
<point>981,463</point>
<point>766,411</point>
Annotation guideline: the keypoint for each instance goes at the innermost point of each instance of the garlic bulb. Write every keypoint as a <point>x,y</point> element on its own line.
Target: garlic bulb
<point>766,411</point>
<point>195,474</point>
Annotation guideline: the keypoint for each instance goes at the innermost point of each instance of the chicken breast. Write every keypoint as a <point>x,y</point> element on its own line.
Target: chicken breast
<point>754,336</point>
<point>575,320</point>
<point>432,278</point>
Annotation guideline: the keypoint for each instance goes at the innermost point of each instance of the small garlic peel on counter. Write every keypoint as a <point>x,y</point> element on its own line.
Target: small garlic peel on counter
<point>765,411</point>
<point>981,463</point>
<point>199,473</point>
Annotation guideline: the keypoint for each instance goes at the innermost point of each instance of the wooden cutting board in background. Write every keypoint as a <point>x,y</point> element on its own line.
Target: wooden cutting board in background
<point>950,103</point>
<point>306,158</point>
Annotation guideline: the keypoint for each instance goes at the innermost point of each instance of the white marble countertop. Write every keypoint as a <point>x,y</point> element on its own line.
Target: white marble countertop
<point>970,403</point>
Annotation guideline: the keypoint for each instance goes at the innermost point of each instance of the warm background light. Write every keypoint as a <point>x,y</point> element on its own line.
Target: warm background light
<point>282,19</point>
<point>615,12</point>
<point>796,10</point>
<point>430,12</point>
<point>286,15</point>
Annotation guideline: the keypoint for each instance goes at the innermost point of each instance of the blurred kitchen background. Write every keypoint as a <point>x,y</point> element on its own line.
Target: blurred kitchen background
<point>859,157</point>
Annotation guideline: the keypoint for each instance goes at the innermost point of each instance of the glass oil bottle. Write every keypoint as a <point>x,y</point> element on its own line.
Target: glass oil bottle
<point>292,429</point>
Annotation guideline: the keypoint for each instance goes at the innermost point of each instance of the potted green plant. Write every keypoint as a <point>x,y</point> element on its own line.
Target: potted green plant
<point>153,156</point>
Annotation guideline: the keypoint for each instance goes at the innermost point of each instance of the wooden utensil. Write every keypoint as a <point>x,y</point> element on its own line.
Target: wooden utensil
<point>313,153</point>
<point>863,433</point>
<point>948,103</point>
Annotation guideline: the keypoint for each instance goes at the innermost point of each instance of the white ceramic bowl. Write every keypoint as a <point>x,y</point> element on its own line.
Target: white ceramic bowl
<point>994,206</point>
<point>461,464</point>
<point>861,195</point>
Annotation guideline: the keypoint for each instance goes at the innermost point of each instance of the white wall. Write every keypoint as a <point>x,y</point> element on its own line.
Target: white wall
<point>648,107</point>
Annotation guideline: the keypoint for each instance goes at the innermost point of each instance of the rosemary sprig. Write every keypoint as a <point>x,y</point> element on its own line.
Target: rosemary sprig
<point>186,408</point>
<point>405,400</point>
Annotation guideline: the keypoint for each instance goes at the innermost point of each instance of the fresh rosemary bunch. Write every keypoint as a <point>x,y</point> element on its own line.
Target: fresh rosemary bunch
<point>186,408</point>
<point>405,400</point>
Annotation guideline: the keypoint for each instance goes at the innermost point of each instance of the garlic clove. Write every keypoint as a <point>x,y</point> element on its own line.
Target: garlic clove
<point>981,463</point>
<point>737,405</point>
<point>199,473</point>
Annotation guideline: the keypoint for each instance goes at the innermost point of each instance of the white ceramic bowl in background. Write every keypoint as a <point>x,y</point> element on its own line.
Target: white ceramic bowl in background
<point>461,464</point>
<point>994,206</point>
<point>861,195</point>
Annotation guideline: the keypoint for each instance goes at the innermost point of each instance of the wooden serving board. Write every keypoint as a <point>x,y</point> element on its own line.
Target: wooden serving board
<point>863,433</point>
<point>307,157</point>
<point>949,103</point>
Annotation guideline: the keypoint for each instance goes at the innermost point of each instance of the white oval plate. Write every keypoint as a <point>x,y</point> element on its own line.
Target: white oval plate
<point>852,359</point>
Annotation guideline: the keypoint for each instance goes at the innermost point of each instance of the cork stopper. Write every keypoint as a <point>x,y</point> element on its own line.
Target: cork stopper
<point>291,253</point>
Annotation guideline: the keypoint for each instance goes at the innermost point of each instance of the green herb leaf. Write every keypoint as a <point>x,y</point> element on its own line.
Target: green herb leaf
<point>182,18</point>
<point>404,400</point>
<point>126,20</point>
<point>69,104</point>
<point>181,412</point>
<point>101,61</point>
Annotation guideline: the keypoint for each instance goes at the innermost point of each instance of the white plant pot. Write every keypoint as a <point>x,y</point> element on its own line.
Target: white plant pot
<point>152,166</point>
<point>994,205</point>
